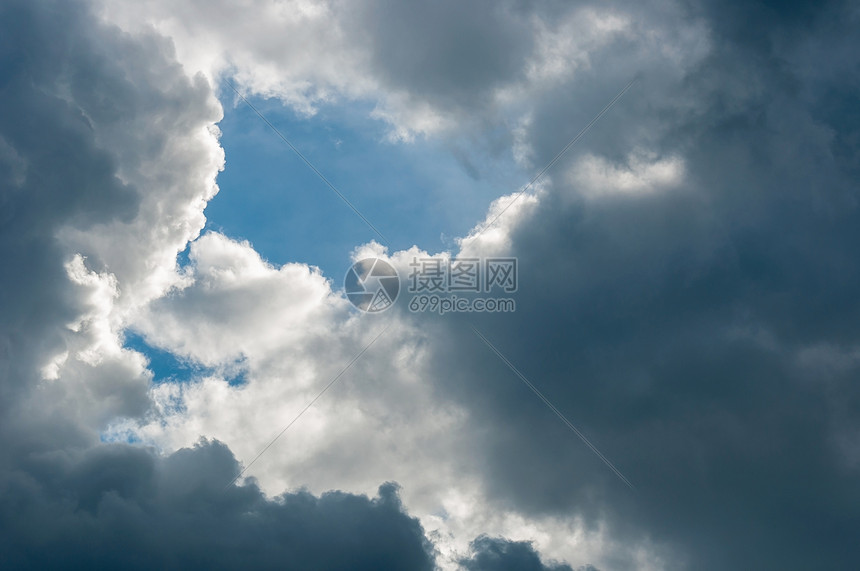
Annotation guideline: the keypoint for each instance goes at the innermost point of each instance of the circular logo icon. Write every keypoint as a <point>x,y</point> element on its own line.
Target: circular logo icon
<point>372,285</point>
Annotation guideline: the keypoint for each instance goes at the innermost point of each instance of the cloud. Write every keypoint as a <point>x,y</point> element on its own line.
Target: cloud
<point>496,554</point>
<point>660,322</point>
<point>594,177</point>
<point>687,291</point>
<point>668,325</point>
<point>120,506</point>
<point>438,70</point>
<point>108,153</point>
<point>90,230</point>
<point>240,306</point>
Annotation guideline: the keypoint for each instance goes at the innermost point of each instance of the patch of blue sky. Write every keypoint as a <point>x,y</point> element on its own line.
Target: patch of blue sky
<point>168,367</point>
<point>424,192</point>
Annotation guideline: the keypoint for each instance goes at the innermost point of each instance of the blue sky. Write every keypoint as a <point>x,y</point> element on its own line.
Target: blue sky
<point>167,366</point>
<point>413,192</point>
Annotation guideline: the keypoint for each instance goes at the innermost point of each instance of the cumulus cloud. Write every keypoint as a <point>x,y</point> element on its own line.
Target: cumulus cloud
<point>667,324</point>
<point>495,554</point>
<point>595,177</point>
<point>687,291</point>
<point>126,507</point>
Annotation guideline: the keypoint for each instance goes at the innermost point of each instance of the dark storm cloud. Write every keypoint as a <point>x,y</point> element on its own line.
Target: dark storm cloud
<point>51,173</point>
<point>124,507</point>
<point>701,336</point>
<point>495,554</point>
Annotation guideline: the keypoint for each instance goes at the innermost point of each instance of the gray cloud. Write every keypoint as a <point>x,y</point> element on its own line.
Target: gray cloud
<point>52,173</point>
<point>119,506</point>
<point>672,326</point>
<point>496,554</point>
<point>448,53</point>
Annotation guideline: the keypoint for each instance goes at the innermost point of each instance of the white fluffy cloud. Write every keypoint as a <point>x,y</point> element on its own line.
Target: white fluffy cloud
<point>384,420</point>
<point>595,177</point>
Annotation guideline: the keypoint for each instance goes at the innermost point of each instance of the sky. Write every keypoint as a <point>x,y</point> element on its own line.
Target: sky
<point>671,385</point>
<point>269,197</point>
